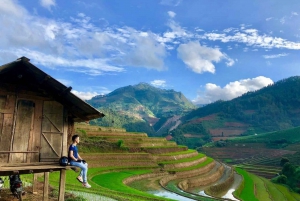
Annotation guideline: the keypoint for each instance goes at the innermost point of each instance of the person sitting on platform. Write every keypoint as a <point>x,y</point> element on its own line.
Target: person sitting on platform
<point>76,160</point>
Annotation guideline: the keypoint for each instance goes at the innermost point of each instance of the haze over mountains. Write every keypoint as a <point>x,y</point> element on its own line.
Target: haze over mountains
<point>156,111</point>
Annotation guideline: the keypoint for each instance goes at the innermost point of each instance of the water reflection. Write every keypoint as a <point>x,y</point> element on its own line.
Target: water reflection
<point>229,195</point>
<point>167,194</point>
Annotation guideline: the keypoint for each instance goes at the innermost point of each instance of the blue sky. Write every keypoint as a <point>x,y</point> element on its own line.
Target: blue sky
<point>207,49</point>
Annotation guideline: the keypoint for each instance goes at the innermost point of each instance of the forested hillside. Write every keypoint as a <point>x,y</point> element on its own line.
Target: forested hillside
<point>272,108</point>
<point>140,107</point>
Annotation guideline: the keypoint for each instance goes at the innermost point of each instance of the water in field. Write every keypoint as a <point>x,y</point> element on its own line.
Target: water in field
<point>227,194</point>
<point>237,181</point>
<point>151,186</point>
<point>167,194</point>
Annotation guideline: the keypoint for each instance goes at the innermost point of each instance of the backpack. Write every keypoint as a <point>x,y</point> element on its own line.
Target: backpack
<point>63,161</point>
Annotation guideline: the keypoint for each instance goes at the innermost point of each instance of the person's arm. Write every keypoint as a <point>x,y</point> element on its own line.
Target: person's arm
<point>72,156</point>
<point>79,157</point>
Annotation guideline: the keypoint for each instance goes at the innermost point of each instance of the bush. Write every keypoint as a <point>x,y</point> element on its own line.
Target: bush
<point>281,179</point>
<point>120,143</point>
<point>283,161</point>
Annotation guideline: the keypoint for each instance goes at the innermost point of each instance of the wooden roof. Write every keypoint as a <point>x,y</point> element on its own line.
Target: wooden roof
<point>26,76</point>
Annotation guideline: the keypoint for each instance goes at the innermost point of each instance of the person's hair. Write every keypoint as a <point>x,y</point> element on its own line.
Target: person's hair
<point>74,137</point>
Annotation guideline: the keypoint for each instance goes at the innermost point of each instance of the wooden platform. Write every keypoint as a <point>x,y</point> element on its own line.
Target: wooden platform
<point>7,169</point>
<point>27,168</point>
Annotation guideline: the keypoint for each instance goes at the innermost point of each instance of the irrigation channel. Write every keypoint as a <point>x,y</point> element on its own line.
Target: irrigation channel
<point>152,186</point>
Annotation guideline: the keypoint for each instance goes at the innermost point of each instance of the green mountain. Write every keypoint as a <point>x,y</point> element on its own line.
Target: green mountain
<point>141,107</point>
<point>272,108</point>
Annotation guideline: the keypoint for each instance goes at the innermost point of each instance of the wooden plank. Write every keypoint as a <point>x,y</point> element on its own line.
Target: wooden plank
<point>23,128</point>
<point>34,184</point>
<point>50,145</point>
<point>46,186</point>
<point>28,164</point>
<point>53,133</point>
<point>65,134</point>
<point>4,104</point>
<point>7,108</point>
<point>37,130</point>
<point>7,152</point>
<point>53,124</point>
<point>5,140</point>
<point>62,185</point>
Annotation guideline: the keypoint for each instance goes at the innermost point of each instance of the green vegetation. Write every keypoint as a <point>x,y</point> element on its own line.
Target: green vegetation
<point>278,137</point>
<point>200,165</point>
<point>290,175</point>
<point>134,107</point>
<point>116,183</point>
<point>178,153</point>
<point>184,159</point>
<point>268,109</point>
<point>247,193</point>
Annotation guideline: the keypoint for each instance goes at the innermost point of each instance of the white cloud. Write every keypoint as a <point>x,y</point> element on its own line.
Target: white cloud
<point>274,56</point>
<point>47,3</point>
<point>158,83</point>
<point>146,52</point>
<point>251,37</point>
<point>282,20</point>
<point>200,58</point>
<point>295,13</point>
<point>85,95</point>
<point>170,2</point>
<point>269,18</point>
<point>79,40</point>
<point>232,90</point>
<point>171,14</point>
<point>88,66</point>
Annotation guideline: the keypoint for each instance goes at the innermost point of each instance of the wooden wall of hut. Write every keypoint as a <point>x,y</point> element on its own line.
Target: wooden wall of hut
<point>33,127</point>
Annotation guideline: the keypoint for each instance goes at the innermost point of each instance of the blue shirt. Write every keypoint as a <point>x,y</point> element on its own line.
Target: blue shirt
<point>75,151</point>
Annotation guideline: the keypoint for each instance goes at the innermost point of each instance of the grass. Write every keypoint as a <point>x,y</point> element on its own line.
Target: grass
<point>184,159</point>
<point>291,135</point>
<point>290,196</point>
<point>107,182</point>
<point>178,153</point>
<point>260,189</point>
<point>200,165</point>
<point>247,193</point>
<point>273,191</point>
<point>113,180</point>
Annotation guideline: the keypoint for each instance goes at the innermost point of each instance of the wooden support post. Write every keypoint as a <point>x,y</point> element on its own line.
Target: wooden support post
<point>46,186</point>
<point>62,183</point>
<point>34,184</point>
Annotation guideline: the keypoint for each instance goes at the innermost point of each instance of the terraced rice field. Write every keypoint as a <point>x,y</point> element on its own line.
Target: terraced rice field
<point>157,167</point>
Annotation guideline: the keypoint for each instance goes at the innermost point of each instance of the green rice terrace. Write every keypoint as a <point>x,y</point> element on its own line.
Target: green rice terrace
<point>133,166</point>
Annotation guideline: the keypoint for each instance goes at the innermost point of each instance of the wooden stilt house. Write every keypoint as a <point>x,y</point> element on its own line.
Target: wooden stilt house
<point>37,115</point>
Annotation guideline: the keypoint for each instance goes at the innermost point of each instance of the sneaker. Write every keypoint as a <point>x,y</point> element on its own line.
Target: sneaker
<point>86,185</point>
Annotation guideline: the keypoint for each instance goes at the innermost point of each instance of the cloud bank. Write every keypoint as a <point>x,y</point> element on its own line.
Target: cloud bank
<point>213,92</point>
<point>200,58</point>
<point>158,83</point>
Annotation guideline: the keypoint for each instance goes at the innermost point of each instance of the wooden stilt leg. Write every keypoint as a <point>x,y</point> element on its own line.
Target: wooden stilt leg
<point>34,184</point>
<point>62,183</point>
<point>46,186</point>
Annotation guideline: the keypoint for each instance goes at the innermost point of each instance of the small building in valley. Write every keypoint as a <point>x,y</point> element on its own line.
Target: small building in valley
<point>37,115</point>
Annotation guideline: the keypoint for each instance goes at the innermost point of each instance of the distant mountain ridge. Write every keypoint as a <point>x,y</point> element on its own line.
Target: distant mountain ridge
<point>272,108</point>
<point>140,103</point>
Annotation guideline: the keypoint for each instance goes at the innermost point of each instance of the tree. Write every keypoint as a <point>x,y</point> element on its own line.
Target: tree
<point>283,161</point>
